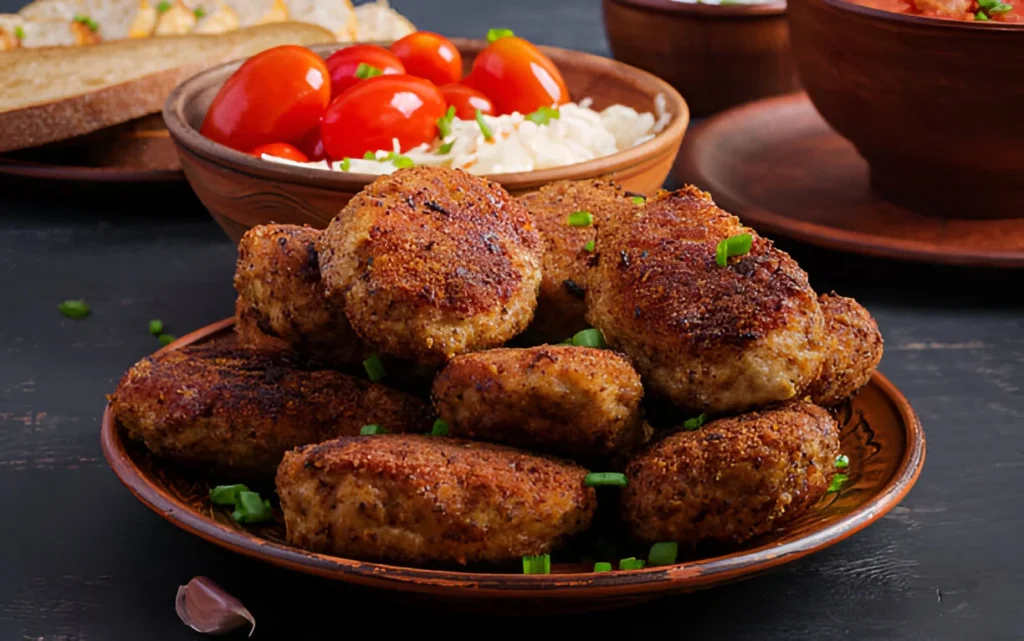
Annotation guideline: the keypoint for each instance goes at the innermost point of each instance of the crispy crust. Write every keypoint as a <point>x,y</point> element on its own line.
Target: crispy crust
<point>431,263</point>
<point>855,349</point>
<point>733,479</point>
<point>575,401</point>
<point>709,338</point>
<point>420,499</point>
<point>239,410</point>
<point>560,304</point>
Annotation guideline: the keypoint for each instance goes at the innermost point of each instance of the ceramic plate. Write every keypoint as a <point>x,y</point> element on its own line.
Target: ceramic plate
<point>880,434</point>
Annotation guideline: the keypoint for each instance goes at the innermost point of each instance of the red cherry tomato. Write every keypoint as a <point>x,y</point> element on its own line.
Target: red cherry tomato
<point>280,150</point>
<point>344,63</point>
<point>275,96</point>
<point>516,76</point>
<point>429,55</point>
<point>466,101</point>
<point>372,112</point>
<point>313,144</point>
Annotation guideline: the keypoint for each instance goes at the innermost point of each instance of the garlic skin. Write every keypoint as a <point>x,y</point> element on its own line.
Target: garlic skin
<point>207,608</point>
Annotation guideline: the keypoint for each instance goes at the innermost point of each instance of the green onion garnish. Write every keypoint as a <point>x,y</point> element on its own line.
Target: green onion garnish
<point>1000,8</point>
<point>605,479</point>
<point>638,200</point>
<point>400,161</point>
<point>589,246</point>
<point>374,368</point>
<point>631,563</point>
<point>440,428</point>
<point>199,13</point>
<point>980,16</point>
<point>837,482</point>
<point>444,123</point>
<point>163,7</point>
<point>544,115</point>
<point>540,564</point>
<point>370,155</point>
<point>166,339</point>
<point>498,34</point>
<point>227,494</point>
<point>695,423</point>
<point>92,24</point>
<point>251,508</point>
<point>19,32</point>
<point>589,338</point>
<point>842,461</point>
<point>602,566</point>
<point>663,553</point>
<point>370,430</point>
<point>77,309</point>
<point>484,129</point>
<point>733,246</point>
<point>581,219</point>
<point>156,327</point>
<point>364,71</point>
<point>445,148</point>
<point>345,164</point>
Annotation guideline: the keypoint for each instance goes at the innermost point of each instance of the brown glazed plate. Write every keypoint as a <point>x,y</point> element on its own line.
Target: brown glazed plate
<point>880,434</point>
<point>777,164</point>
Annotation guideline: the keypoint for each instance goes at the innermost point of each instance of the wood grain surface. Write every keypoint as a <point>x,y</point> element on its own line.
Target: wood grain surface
<point>83,560</point>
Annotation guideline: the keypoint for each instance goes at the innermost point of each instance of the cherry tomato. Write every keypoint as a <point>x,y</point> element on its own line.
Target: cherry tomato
<point>275,96</point>
<point>429,55</point>
<point>516,76</point>
<point>466,101</point>
<point>344,63</point>
<point>280,150</point>
<point>372,112</point>
<point>313,144</point>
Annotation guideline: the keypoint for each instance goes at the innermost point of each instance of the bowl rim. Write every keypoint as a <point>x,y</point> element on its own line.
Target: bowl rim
<point>881,15</point>
<point>687,575</point>
<point>189,137</point>
<point>759,9</point>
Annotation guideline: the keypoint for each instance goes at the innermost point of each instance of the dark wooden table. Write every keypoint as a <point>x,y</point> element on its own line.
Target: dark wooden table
<point>81,559</point>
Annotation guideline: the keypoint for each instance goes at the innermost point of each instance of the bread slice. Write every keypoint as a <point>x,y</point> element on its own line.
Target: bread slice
<point>58,93</point>
<point>378,22</point>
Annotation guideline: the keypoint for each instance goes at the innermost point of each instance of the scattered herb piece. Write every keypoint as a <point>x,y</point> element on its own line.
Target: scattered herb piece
<point>837,482</point>
<point>444,123</point>
<point>374,368</point>
<point>544,115</point>
<point>1000,8</point>
<point>445,148</point>
<point>842,461</point>
<point>87,21</point>
<point>370,155</point>
<point>605,479</point>
<point>76,309</point>
<point>440,428</point>
<point>346,164</point>
<point>663,553</point>
<point>733,246</point>
<point>498,34</point>
<point>638,200</point>
<point>19,32</point>
<point>695,423</point>
<point>163,7</point>
<point>166,339</point>
<point>602,566</point>
<point>589,246</point>
<point>251,508</point>
<point>364,71</point>
<point>199,13</point>
<point>205,607</point>
<point>980,16</point>
<point>484,128</point>
<point>370,430</point>
<point>156,327</point>
<point>540,564</point>
<point>589,338</point>
<point>581,219</point>
<point>227,494</point>
<point>631,563</point>
<point>400,161</point>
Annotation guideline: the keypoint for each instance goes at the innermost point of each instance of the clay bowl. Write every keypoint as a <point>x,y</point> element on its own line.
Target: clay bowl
<point>716,56</point>
<point>241,191</point>
<point>879,433</point>
<point>942,133</point>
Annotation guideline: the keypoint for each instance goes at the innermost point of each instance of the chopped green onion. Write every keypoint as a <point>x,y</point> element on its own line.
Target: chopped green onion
<point>604,479</point>
<point>444,123</point>
<point>484,129</point>
<point>581,219</point>
<point>89,22</point>
<point>166,339</point>
<point>544,115</point>
<point>589,246</point>
<point>370,155</point>
<point>631,563</point>
<point>374,368</point>
<point>733,246</point>
<point>589,338</point>
<point>227,494</point>
<point>77,309</point>
<point>199,13</point>
<point>346,164</point>
<point>987,4</point>
<point>156,327</point>
<point>980,16</point>
<point>837,482</point>
<point>445,148</point>
<point>498,34</point>
<point>400,161</point>
<point>663,553</point>
<point>163,7</point>
<point>370,430</point>
<point>602,566</point>
<point>695,423</point>
<point>540,564</point>
<point>638,200</point>
<point>842,461</point>
<point>440,428</point>
<point>364,71</point>
<point>19,32</point>
<point>251,508</point>
<point>1000,8</point>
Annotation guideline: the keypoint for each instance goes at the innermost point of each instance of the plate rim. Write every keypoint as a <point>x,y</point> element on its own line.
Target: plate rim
<point>689,168</point>
<point>680,577</point>
<point>81,173</point>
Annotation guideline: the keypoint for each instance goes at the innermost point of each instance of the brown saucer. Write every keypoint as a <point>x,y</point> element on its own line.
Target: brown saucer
<point>880,434</point>
<point>777,165</point>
